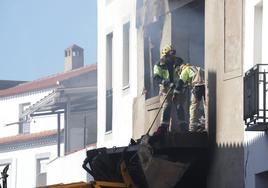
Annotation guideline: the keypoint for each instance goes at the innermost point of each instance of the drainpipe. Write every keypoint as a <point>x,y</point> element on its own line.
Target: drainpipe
<point>85,129</point>
<point>58,144</point>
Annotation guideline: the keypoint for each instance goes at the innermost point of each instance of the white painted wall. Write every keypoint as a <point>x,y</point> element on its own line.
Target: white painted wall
<point>111,17</point>
<point>23,168</point>
<point>256,150</point>
<point>68,169</point>
<point>22,172</point>
<point>9,113</point>
<point>264,32</point>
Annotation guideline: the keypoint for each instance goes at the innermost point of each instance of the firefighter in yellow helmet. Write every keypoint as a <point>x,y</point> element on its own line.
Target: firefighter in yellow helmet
<point>165,74</point>
<point>194,76</point>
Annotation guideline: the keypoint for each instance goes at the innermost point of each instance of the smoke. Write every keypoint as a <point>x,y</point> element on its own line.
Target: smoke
<point>176,22</point>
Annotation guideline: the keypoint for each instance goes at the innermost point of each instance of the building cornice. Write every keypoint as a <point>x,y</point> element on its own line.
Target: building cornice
<point>47,82</point>
<point>29,141</point>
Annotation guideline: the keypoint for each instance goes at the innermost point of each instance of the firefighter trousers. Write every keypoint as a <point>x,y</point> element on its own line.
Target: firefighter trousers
<point>197,97</point>
<point>173,114</point>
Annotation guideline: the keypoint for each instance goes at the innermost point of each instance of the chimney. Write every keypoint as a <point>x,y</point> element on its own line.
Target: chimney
<point>74,58</point>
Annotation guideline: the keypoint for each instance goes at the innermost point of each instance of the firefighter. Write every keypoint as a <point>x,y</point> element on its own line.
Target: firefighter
<point>165,74</point>
<point>194,76</point>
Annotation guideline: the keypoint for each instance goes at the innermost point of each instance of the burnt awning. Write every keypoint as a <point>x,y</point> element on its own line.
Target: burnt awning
<point>80,99</point>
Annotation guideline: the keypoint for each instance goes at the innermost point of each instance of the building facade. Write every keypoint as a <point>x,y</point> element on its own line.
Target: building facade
<point>117,71</point>
<point>225,37</point>
<point>256,142</point>
<point>43,123</point>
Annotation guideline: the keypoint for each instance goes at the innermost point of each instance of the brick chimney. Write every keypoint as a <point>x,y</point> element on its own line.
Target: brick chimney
<point>74,58</point>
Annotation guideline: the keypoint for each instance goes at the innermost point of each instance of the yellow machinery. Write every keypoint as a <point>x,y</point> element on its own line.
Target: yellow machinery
<point>97,184</point>
<point>71,185</point>
<point>101,184</point>
<point>128,183</point>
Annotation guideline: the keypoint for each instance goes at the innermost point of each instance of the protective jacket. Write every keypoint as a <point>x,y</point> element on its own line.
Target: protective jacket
<point>167,70</point>
<point>193,75</point>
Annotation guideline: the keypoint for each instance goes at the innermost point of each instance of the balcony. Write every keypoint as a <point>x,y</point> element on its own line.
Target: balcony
<point>255,98</point>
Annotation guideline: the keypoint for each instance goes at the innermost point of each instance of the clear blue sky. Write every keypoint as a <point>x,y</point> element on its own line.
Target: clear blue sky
<point>34,34</point>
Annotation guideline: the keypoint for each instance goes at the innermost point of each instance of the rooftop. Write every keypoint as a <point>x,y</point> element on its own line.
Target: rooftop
<point>47,82</point>
<point>74,46</point>
<point>27,137</point>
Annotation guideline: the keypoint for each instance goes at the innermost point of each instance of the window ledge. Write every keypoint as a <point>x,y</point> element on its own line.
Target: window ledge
<point>108,132</point>
<point>126,87</point>
<point>152,103</point>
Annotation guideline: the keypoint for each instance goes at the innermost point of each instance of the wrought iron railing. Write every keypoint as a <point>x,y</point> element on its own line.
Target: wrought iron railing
<point>4,176</point>
<point>255,98</point>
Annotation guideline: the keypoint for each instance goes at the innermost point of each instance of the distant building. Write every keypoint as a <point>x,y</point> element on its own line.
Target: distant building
<point>5,84</point>
<point>44,121</point>
<point>73,58</point>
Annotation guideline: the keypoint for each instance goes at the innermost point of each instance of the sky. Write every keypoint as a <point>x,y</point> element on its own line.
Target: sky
<point>34,34</point>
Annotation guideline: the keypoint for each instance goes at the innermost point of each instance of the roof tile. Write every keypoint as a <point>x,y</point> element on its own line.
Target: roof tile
<point>27,137</point>
<point>47,82</point>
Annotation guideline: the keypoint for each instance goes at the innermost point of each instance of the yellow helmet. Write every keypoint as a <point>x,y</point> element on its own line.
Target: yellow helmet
<point>183,66</point>
<point>168,49</point>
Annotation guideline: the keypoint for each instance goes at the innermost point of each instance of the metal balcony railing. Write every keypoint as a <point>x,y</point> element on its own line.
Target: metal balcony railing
<point>255,98</point>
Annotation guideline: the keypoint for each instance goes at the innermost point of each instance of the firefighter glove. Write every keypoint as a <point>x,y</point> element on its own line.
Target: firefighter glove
<point>171,86</point>
<point>165,83</point>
